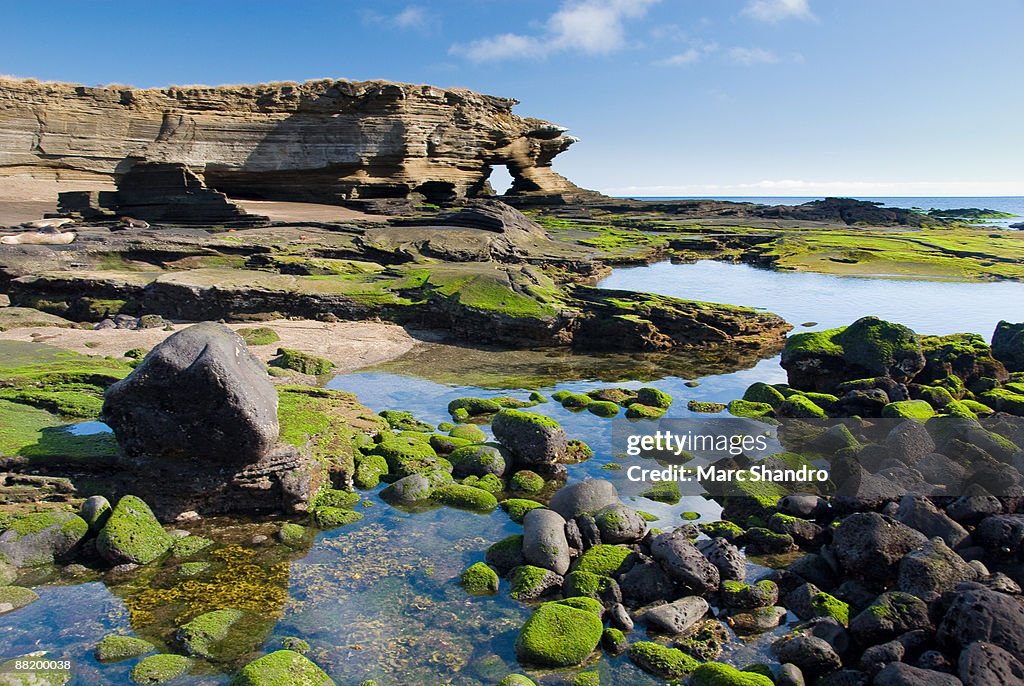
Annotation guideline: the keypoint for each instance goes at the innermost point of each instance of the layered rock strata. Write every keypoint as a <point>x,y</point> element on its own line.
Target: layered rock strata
<point>322,141</point>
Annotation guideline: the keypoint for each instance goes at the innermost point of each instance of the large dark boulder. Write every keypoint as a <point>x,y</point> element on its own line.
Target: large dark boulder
<point>984,664</point>
<point>869,546</point>
<point>1008,345</point>
<point>870,347</point>
<point>980,614</point>
<point>684,562</point>
<point>200,394</point>
<point>535,441</point>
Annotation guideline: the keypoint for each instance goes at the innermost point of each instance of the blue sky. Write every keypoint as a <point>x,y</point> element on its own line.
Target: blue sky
<point>687,97</point>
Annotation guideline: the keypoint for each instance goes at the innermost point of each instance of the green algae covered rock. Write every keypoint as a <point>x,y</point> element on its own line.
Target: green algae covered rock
<point>334,517</point>
<point>518,507</point>
<point>260,335</point>
<point>705,407</point>
<point>800,407</point>
<point>400,420</point>
<point>506,554</point>
<point>479,579</point>
<point>516,680</point>
<point>189,546</point>
<point>160,669</point>
<point>477,460</point>
<point>301,362</point>
<point>826,605</point>
<point>652,397</point>
<point>282,668</point>
<point>468,432</point>
<point>530,582</point>
<point>603,559</point>
<point>332,497</point>
<point>641,411</point>
<point>908,409</point>
<point>473,407</point>
<point>465,498</point>
<point>369,470</point>
<point>114,648</point>
<point>661,661</point>
<point>820,360</point>
<point>293,535</point>
<point>201,635</point>
<point>664,492</point>
<point>1008,345</point>
<point>42,538</point>
<point>445,445</point>
<point>603,408</point>
<point>407,454</point>
<point>760,392</point>
<point>132,534</point>
<point>748,409</point>
<point>730,531</point>
<point>1004,400</point>
<point>527,481</point>
<point>720,674</point>
<point>557,635</point>
<point>15,597</point>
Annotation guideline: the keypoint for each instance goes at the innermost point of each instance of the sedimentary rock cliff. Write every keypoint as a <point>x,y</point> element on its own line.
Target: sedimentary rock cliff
<point>319,141</point>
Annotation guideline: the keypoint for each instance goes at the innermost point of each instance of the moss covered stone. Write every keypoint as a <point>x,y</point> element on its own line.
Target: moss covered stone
<point>705,407</point>
<point>908,409</point>
<point>488,482</point>
<point>764,394</point>
<point>407,454</point>
<point>444,445</point>
<point>652,397</point>
<point>664,492</point>
<point>516,680</point>
<point>42,538</point>
<point>748,409</point>
<point>260,335</point>
<point>558,636</point>
<point>641,411</point>
<point>620,396</point>
<point>1004,400</point>
<point>301,362</point>
<point>465,498</point>
<point>527,481</point>
<point>132,534</point>
<point>369,470</point>
<point>15,597</point>
<point>518,507</point>
<point>293,535</point>
<point>282,668</point>
<point>468,432</point>
<point>586,679</point>
<point>479,579</point>
<point>189,545</point>
<point>201,635</point>
<point>473,407</point>
<point>332,497</point>
<point>530,582</point>
<point>614,641</point>
<point>334,517</point>
<point>575,401</point>
<point>477,460</point>
<point>720,674</point>
<point>404,421</point>
<point>800,407</point>
<point>604,560</point>
<point>664,662</point>
<point>160,669</point>
<point>115,648</point>
<point>603,408</point>
<point>826,605</point>
<point>588,585</point>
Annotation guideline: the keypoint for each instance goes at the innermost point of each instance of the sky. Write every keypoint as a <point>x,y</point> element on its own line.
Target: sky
<point>669,97</point>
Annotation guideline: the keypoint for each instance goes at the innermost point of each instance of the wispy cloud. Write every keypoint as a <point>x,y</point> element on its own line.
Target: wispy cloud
<point>689,56</point>
<point>750,56</point>
<point>777,10</point>
<point>592,27</point>
<point>413,17</point>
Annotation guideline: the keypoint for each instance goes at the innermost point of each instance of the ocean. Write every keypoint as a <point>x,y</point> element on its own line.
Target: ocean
<point>1011,204</point>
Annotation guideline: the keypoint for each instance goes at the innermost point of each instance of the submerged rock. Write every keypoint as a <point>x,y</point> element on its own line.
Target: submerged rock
<point>557,635</point>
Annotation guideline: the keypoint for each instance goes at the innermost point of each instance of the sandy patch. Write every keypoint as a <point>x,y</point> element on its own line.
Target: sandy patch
<point>349,345</point>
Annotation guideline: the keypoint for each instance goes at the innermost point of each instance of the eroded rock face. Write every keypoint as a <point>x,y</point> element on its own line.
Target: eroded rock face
<point>322,141</point>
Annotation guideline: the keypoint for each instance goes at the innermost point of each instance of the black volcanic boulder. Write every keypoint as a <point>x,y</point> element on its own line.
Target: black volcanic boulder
<point>1008,345</point>
<point>869,546</point>
<point>980,614</point>
<point>201,395</point>
<point>533,439</point>
<point>870,347</point>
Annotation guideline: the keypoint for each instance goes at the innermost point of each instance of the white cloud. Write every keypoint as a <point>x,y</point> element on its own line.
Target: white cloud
<point>411,17</point>
<point>805,188</point>
<point>593,27</point>
<point>777,10</point>
<point>689,56</point>
<point>749,56</point>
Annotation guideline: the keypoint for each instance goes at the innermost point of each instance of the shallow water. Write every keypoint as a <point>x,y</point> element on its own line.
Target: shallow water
<point>927,307</point>
<point>380,598</point>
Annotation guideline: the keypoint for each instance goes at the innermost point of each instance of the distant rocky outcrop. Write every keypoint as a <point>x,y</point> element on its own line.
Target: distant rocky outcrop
<point>323,141</point>
<point>198,418</point>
